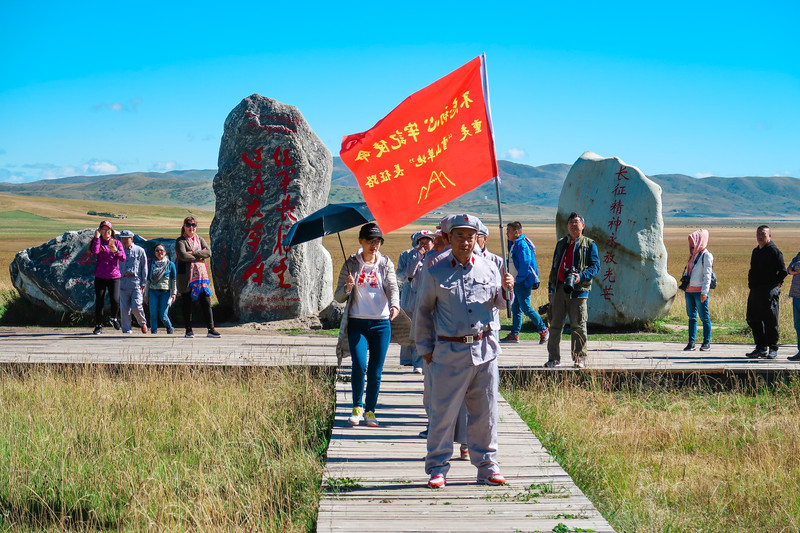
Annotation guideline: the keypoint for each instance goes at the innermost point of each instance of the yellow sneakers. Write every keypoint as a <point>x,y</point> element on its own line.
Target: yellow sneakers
<point>357,416</point>
<point>371,420</point>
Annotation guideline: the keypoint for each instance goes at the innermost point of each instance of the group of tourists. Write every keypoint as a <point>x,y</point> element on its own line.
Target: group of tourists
<point>452,288</point>
<point>131,281</point>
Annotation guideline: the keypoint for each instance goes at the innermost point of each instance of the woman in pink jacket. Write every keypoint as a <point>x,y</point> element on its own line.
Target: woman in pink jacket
<point>109,252</point>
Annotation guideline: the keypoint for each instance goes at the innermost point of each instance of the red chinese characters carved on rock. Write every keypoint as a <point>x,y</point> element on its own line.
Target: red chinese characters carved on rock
<point>609,278</point>
<point>285,172</point>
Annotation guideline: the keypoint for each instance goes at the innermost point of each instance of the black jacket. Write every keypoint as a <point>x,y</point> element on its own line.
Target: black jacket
<point>767,268</point>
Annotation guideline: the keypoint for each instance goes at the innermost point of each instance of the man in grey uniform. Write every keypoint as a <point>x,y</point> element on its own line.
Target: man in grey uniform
<point>132,284</point>
<point>457,321</point>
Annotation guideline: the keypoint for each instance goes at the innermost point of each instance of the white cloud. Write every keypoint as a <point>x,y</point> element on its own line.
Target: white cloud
<point>99,167</point>
<point>514,154</point>
<point>703,175</point>
<point>131,106</point>
<point>165,166</point>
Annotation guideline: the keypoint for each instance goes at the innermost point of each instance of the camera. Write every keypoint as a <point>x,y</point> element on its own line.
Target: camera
<point>569,284</point>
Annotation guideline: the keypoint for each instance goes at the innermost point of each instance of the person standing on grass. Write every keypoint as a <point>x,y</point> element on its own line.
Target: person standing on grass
<point>367,282</point>
<point>132,283</point>
<point>109,253</point>
<point>522,264</point>
<point>794,294</point>
<point>576,259</point>
<point>699,268</point>
<point>765,278</point>
<point>161,289</point>
<point>456,324</point>
<point>192,275</point>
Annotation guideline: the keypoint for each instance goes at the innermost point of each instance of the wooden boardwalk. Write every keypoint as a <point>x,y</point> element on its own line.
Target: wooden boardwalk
<point>377,483</point>
<point>376,476</point>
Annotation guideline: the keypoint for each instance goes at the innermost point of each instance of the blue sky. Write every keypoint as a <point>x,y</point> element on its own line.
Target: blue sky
<point>698,88</point>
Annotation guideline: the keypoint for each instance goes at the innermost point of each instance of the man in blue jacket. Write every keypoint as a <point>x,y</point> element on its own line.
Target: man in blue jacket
<point>575,262</point>
<point>522,265</point>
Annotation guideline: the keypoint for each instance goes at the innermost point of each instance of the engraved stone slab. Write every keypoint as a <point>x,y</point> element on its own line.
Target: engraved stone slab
<point>622,208</point>
<point>273,171</point>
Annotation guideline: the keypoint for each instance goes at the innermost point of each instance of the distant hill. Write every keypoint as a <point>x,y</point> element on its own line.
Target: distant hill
<point>524,190</point>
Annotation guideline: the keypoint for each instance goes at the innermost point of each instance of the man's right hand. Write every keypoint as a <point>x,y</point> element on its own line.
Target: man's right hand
<point>428,358</point>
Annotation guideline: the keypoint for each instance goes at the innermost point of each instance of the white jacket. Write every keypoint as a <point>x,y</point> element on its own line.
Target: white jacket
<point>701,272</point>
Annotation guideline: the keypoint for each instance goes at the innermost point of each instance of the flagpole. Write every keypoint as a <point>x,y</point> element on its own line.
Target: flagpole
<point>485,81</point>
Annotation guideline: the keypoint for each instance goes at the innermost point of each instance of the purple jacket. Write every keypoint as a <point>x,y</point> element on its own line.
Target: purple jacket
<point>107,262</point>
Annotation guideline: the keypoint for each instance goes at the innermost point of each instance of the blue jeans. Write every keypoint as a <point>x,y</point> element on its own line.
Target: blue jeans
<point>695,307</point>
<point>522,304</point>
<point>367,334</point>
<point>796,312</point>
<point>159,308</point>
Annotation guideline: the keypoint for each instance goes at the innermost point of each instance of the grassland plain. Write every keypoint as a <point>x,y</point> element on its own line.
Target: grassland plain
<point>162,448</point>
<point>652,459</point>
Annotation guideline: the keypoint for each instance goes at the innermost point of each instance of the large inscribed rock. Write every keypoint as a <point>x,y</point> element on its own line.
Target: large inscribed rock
<point>273,171</point>
<point>59,274</point>
<point>622,209</point>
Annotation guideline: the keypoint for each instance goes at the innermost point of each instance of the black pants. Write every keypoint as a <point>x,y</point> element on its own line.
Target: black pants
<point>205,304</point>
<point>762,317</point>
<point>102,285</point>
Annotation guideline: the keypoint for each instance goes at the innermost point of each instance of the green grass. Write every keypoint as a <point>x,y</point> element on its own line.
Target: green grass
<point>162,448</point>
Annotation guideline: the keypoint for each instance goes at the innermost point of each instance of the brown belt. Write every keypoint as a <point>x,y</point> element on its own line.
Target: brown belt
<point>466,339</point>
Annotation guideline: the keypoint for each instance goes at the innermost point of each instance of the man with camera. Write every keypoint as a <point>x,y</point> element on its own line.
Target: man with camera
<point>575,262</point>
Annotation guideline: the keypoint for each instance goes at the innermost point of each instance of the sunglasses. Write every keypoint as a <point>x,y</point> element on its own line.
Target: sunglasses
<point>191,224</point>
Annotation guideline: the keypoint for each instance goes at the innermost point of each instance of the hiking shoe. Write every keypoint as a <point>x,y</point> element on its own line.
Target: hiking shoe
<point>464,451</point>
<point>423,434</point>
<point>97,330</point>
<point>436,482</point>
<point>370,419</point>
<point>755,354</point>
<point>510,338</point>
<point>706,346</point>
<point>772,354</point>
<point>689,347</point>
<point>795,357</point>
<point>552,364</point>
<point>189,333</point>
<point>144,329</point>
<point>357,416</point>
<point>495,479</point>
<point>170,331</point>
<point>115,323</point>
<point>418,370</point>
<point>579,363</point>
<point>214,334</point>
<point>544,335</point>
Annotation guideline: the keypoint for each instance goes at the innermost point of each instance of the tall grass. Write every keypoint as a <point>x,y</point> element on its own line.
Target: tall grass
<point>155,448</point>
<point>660,459</point>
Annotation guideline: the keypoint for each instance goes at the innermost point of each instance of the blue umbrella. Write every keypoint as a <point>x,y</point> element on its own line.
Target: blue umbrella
<point>332,218</point>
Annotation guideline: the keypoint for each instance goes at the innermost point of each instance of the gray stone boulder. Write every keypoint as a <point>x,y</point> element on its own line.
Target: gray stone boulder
<point>273,171</point>
<point>59,274</point>
<point>622,208</point>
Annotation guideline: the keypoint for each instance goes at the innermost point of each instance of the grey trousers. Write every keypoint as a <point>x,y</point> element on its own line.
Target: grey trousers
<point>130,301</point>
<point>560,305</point>
<point>475,386</point>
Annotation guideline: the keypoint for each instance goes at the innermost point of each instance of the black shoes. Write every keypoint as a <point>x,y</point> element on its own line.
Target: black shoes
<point>214,334</point>
<point>115,323</point>
<point>755,354</point>
<point>689,347</point>
<point>97,330</point>
<point>706,346</point>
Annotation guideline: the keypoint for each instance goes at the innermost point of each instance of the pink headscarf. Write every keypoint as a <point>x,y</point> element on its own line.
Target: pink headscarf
<point>698,242</point>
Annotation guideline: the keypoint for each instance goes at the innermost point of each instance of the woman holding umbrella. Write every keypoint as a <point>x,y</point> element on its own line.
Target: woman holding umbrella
<point>367,282</point>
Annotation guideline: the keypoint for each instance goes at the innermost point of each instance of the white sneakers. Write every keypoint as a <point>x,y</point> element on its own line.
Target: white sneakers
<point>357,416</point>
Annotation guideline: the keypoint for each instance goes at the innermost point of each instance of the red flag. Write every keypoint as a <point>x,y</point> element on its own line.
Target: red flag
<point>432,148</point>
